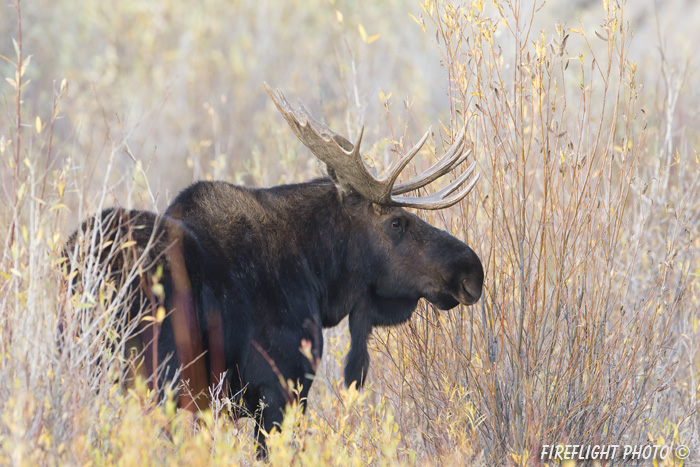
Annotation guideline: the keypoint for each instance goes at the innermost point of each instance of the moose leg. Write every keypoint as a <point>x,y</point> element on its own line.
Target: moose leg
<point>274,377</point>
<point>267,402</point>
<point>272,402</point>
<point>357,361</point>
<point>273,399</point>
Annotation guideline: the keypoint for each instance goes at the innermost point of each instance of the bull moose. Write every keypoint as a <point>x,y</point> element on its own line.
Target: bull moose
<point>249,277</point>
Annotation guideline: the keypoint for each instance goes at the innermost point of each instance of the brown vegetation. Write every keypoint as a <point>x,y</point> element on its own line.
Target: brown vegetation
<point>586,219</point>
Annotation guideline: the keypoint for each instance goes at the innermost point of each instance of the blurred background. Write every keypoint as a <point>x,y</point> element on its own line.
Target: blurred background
<point>180,82</point>
<point>585,126</point>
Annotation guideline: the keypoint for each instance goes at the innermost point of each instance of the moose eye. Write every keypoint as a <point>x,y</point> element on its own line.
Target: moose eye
<point>396,224</point>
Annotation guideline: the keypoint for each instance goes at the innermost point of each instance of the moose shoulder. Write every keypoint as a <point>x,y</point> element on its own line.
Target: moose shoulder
<point>251,276</point>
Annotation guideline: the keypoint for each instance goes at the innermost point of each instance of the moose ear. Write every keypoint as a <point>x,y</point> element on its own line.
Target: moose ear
<point>343,187</point>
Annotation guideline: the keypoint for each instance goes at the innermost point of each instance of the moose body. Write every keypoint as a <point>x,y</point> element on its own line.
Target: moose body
<point>251,276</point>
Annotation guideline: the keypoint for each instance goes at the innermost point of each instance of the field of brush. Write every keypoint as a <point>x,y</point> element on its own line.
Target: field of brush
<point>583,121</point>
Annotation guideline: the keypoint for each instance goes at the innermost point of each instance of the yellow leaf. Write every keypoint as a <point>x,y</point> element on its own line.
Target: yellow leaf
<point>420,22</point>
<point>127,244</point>
<point>158,290</point>
<point>37,124</point>
<point>339,16</point>
<point>24,66</point>
<point>58,206</point>
<point>160,314</point>
<point>384,97</point>
<point>373,38</point>
<point>363,33</point>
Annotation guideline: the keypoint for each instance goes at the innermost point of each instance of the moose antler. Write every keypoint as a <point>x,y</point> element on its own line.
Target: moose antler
<point>345,159</point>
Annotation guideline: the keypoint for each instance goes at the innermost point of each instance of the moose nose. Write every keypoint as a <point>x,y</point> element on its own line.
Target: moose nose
<point>472,291</point>
<point>472,278</point>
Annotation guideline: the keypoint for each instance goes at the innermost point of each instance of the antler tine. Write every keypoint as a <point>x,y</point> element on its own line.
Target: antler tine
<point>395,170</point>
<point>289,114</point>
<point>452,158</point>
<point>439,200</point>
<point>320,128</point>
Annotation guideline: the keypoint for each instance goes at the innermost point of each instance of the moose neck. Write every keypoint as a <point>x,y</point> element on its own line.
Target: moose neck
<point>323,236</point>
<point>335,244</point>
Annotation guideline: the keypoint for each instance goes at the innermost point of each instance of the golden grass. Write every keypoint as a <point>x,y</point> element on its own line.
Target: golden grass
<point>586,219</point>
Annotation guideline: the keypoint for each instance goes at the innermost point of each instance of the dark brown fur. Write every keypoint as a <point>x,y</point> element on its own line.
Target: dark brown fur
<point>251,276</point>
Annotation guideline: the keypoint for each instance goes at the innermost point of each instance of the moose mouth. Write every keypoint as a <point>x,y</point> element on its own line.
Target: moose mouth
<point>465,294</point>
<point>443,297</point>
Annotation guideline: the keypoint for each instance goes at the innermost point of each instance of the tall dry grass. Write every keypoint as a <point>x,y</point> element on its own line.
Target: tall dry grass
<point>587,223</point>
<point>586,220</point>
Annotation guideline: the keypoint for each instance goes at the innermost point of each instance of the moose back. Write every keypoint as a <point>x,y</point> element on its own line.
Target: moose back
<point>249,277</point>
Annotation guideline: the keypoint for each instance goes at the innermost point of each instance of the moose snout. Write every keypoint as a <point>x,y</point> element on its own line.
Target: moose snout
<point>472,282</point>
<point>471,291</point>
